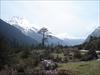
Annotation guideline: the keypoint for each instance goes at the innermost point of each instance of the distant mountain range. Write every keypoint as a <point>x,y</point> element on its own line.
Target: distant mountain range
<point>95,34</point>
<point>14,30</point>
<point>21,30</point>
<point>73,42</point>
<point>27,29</point>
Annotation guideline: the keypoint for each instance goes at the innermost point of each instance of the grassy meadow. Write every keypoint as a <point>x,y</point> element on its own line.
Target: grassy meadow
<point>82,68</point>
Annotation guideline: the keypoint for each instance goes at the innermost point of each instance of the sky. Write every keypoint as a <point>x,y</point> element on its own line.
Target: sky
<point>65,19</point>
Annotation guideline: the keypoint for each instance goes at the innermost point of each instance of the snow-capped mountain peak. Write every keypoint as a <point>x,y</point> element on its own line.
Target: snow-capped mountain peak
<point>22,22</point>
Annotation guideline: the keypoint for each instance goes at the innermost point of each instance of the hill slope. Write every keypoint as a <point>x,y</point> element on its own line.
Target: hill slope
<point>27,29</point>
<point>14,34</point>
<point>93,40</point>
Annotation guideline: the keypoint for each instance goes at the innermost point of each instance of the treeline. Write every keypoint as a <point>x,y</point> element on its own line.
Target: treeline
<point>23,56</point>
<point>14,54</point>
<point>26,58</point>
<point>92,43</point>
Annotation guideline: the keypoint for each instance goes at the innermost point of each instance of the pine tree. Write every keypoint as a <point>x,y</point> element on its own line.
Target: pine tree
<point>45,35</point>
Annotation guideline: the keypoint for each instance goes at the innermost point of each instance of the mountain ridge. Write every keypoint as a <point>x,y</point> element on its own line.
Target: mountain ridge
<point>95,33</point>
<point>32,32</point>
<point>13,33</point>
